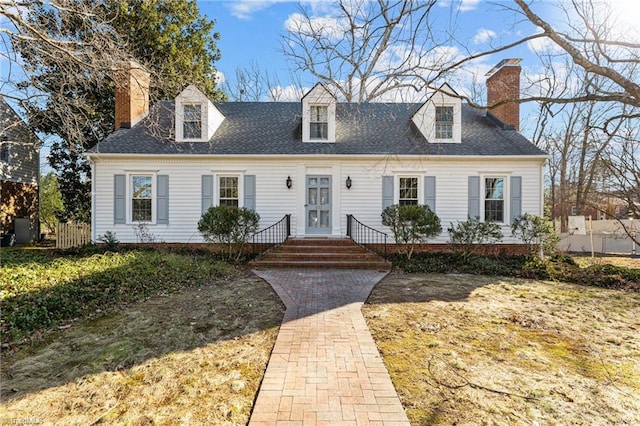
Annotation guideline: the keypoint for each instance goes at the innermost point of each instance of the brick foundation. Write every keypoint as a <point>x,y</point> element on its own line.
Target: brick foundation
<point>486,249</point>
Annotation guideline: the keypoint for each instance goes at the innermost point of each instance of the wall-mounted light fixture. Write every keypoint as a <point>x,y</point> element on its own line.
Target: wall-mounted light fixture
<point>348,182</point>
<point>289,182</point>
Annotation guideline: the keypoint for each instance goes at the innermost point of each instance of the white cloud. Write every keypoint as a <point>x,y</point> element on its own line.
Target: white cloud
<point>461,5</point>
<point>483,35</point>
<point>329,26</point>
<point>245,9</point>
<point>290,93</point>
<point>219,77</point>
<point>543,45</point>
<point>626,15</point>
<point>467,5</point>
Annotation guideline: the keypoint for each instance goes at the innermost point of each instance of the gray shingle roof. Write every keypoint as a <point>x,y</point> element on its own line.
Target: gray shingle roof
<point>274,128</point>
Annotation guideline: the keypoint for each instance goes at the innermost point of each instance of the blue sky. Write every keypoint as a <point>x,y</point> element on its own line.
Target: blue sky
<point>250,33</point>
<point>251,29</point>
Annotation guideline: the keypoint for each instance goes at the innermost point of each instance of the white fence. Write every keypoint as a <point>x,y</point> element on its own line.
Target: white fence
<point>72,234</point>
<point>607,236</point>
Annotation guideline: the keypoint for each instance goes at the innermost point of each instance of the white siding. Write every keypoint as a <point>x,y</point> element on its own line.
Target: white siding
<point>274,199</point>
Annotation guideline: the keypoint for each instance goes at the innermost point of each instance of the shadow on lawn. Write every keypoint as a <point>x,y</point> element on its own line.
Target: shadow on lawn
<point>179,307</point>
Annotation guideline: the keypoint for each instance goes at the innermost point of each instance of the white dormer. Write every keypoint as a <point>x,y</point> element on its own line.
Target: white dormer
<point>318,115</point>
<point>197,119</point>
<point>439,119</point>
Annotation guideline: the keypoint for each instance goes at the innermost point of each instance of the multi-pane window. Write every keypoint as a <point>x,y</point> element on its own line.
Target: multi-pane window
<point>319,123</point>
<point>408,190</point>
<point>192,122</point>
<point>444,122</point>
<point>228,191</point>
<point>5,152</point>
<point>494,199</point>
<point>141,196</point>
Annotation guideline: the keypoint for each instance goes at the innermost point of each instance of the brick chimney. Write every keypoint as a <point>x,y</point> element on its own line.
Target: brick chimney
<point>503,83</point>
<point>132,94</point>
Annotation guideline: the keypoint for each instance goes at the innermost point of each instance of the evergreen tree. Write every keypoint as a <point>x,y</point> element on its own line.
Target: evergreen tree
<point>73,77</point>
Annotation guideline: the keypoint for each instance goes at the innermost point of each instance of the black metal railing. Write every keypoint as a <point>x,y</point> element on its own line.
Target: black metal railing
<point>272,236</point>
<point>366,236</point>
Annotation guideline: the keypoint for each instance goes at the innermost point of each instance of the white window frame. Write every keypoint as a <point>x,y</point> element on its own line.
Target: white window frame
<point>184,120</point>
<point>420,188</point>
<point>312,122</point>
<point>505,197</point>
<point>154,193</point>
<point>452,123</point>
<point>217,190</point>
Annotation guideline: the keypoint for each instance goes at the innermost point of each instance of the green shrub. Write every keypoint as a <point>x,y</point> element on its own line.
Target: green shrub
<point>231,226</point>
<point>536,232</point>
<point>467,236</point>
<point>558,268</point>
<point>411,225</point>
<point>109,240</point>
<point>434,263</point>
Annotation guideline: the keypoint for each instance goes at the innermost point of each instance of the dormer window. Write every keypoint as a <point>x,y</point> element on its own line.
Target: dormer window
<point>196,117</point>
<point>444,122</point>
<point>192,121</point>
<point>319,122</point>
<point>439,119</point>
<point>318,115</point>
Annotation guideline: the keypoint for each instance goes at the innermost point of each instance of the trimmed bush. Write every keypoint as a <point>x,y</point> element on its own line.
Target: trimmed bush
<point>229,225</point>
<point>467,236</point>
<point>536,232</point>
<point>411,225</point>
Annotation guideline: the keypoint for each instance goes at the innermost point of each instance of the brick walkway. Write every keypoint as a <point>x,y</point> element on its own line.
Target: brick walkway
<point>325,368</point>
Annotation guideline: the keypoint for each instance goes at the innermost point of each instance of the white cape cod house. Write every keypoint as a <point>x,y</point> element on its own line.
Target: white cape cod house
<point>317,160</point>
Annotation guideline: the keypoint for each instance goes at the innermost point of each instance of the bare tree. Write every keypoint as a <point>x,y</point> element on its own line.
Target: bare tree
<point>66,55</point>
<point>253,84</point>
<point>609,58</point>
<point>368,49</point>
<point>623,164</point>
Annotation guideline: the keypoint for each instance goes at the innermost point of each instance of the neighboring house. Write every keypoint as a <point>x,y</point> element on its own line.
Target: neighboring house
<point>318,160</point>
<point>599,205</point>
<point>19,172</point>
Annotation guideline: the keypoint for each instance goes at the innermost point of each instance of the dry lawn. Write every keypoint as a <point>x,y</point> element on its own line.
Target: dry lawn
<point>196,357</point>
<point>474,350</point>
<point>625,261</point>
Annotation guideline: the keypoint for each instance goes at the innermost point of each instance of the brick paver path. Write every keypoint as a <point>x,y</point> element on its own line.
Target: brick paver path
<point>325,368</point>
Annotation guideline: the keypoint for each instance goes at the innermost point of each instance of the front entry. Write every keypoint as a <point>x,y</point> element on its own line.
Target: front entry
<point>318,204</point>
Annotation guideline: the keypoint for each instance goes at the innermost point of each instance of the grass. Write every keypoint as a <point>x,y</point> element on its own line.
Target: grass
<point>622,261</point>
<point>466,349</point>
<point>44,288</point>
<point>143,337</point>
<point>559,267</point>
<point>187,343</point>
